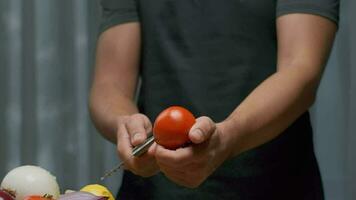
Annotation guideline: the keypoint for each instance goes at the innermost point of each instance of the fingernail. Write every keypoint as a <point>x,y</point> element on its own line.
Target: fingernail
<point>137,136</point>
<point>198,134</point>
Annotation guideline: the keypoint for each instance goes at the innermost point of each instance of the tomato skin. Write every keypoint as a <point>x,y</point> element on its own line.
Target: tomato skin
<point>171,127</point>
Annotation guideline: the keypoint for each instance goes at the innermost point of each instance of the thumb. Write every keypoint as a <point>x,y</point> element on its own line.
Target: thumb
<point>202,130</point>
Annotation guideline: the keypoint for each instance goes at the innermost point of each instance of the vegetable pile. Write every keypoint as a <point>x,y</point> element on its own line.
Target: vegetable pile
<point>34,183</point>
<point>171,130</point>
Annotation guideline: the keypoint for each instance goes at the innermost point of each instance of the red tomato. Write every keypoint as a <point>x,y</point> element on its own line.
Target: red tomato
<point>172,126</point>
<point>38,197</point>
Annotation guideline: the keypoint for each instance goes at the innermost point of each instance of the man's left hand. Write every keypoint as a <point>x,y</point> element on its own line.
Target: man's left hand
<point>190,166</point>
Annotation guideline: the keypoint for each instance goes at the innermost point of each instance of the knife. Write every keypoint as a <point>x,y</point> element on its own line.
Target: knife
<point>137,151</point>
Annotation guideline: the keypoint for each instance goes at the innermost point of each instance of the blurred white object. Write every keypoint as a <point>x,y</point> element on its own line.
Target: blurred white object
<point>30,180</point>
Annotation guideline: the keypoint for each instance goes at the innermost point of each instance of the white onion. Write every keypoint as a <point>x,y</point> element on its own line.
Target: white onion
<point>30,180</point>
<point>4,195</point>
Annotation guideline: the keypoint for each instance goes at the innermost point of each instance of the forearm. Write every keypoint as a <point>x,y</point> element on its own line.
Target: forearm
<point>270,108</point>
<point>304,43</point>
<point>107,103</point>
<point>115,77</point>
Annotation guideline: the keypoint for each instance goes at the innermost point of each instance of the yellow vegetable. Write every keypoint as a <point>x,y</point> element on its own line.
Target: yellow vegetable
<point>98,190</point>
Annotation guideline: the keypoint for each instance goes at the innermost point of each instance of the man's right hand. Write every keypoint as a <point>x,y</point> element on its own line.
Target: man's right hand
<point>132,130</point>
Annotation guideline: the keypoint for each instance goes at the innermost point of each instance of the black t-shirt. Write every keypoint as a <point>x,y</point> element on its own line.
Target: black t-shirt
<point>208,55</point>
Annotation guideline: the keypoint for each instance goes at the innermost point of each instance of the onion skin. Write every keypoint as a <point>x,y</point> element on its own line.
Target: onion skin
<point>30,180</point>
<point>81,196</point>
<point>5,196</point>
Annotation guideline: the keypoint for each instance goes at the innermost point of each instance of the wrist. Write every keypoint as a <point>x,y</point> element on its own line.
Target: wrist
<point>231,131</point>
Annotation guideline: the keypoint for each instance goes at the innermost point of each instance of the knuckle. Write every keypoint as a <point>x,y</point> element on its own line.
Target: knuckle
<point>209,123</point>
<point>122,119</point>
<point>148,125</point>
<point>206,123</point>
<point>134,128</point>
<point>133,131</point>
<point>131,123</point>
<point>145,121</point>
<point>136,124</point>
<point>137,117</point>
<point>212,125</point>
<point>205,120</point>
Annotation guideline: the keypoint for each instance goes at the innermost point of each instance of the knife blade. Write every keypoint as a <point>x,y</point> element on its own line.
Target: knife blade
<point>137,151</point>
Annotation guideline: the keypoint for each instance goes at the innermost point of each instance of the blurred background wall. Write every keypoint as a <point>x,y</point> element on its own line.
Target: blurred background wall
<point>46,60</point>
<point>334,113</point>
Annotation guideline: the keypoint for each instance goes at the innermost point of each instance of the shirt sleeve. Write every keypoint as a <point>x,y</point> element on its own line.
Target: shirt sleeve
<point>115,12</point>
<point>325,8</point>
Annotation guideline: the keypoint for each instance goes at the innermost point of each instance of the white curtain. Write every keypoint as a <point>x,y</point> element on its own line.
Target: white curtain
<point>46,58</point>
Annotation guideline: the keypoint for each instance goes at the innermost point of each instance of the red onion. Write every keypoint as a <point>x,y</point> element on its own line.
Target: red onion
<point>81,196</point>
<point>5,195</point>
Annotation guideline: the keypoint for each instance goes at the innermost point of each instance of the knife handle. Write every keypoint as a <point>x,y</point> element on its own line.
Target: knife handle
<point>142,148</point>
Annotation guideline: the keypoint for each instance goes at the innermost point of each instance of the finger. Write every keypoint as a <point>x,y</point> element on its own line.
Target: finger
<point>144,166</point>
<point>152,149</point>
<point>124,147</point>
<point>138,126</point>
<point>134,164</point>
<point>203,128</point>
<point>178,157</point>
